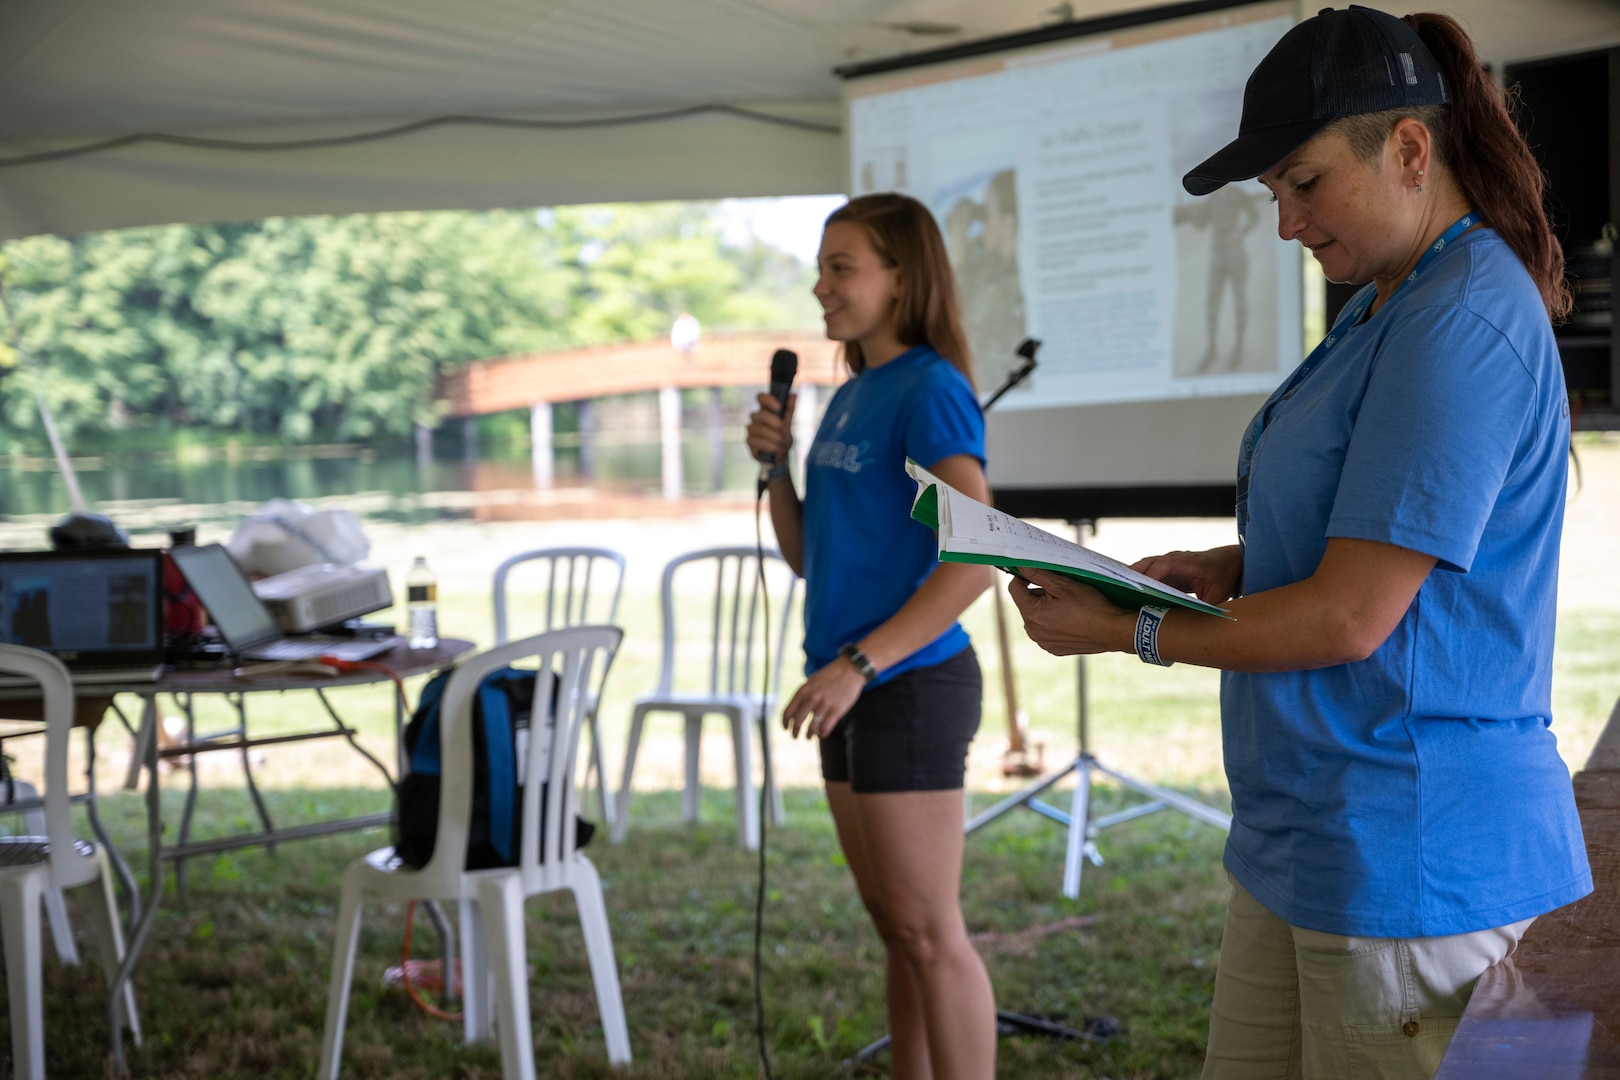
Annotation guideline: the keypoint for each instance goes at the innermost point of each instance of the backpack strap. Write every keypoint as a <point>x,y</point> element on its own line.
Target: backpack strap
<point>500,747</point>
<point>425,755</point>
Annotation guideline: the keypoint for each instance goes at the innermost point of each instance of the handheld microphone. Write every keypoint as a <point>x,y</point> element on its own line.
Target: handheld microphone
<point>784,366</point>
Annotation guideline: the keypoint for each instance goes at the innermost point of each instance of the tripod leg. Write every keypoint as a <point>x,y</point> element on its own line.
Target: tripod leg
<point>1022,797</point>
<point>1173,799</point>
<point>1079,815</point>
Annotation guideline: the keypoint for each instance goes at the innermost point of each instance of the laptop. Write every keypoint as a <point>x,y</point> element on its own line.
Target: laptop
<point>246,625</point>
<point>99,611</point>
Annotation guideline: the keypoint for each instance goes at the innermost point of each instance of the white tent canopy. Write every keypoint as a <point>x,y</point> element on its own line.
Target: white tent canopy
<point>756,76</point>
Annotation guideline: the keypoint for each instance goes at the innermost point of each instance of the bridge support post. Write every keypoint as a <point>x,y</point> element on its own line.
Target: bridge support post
<point>424,446</point>
<point>804,423</point>
<point>469,439</point>
<point>586,411</point>
<point>540,450</point>
<point>715,422</point>
<point>669,429</point>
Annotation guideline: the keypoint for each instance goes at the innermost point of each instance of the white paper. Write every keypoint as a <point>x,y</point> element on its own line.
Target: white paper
<point>969,527</point>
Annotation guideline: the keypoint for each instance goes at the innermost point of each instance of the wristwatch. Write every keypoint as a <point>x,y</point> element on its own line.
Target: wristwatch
<point>852,652</point>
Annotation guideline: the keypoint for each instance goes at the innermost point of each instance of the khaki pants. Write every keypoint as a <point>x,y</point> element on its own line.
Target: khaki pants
<point>1296,1004</point>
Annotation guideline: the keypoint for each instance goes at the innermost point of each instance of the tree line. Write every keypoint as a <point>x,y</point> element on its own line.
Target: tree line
<point>330,329</point>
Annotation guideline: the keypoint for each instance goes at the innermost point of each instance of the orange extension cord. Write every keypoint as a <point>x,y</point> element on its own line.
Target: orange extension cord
<point>407,967</point>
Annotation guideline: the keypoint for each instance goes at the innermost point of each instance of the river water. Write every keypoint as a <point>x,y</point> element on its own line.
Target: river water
<point>381,485</point>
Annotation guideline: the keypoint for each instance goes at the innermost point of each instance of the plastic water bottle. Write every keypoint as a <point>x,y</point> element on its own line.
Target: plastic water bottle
<point>422,605</point>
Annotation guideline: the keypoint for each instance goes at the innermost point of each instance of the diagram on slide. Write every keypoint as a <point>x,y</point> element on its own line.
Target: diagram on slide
<point>981,233</point>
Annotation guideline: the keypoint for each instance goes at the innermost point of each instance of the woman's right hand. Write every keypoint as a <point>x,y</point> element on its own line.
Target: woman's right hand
<point>1213,576</point>
<point>769,433</point>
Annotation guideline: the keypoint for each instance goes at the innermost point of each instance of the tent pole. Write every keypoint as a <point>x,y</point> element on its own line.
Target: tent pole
<point>69,478</point>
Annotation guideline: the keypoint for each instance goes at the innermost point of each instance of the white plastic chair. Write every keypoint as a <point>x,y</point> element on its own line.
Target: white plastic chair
<point>19,793</point>
<point>582,588</point>
<point>491,901</point>
<point>735,624</point>
<point>29,865</point>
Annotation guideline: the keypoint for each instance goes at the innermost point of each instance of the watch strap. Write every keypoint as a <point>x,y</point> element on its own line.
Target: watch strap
<point>852,652</point>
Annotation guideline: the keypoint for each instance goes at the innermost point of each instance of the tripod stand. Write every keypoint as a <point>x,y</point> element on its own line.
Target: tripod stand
<point>1083,828</point>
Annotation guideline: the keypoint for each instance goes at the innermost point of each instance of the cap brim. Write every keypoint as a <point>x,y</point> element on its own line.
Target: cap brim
<point>1249,155</point>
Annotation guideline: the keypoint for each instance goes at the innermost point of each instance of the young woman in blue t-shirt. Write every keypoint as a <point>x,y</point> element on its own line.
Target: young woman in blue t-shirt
<point>893,687</point>
<point>1400,809</point>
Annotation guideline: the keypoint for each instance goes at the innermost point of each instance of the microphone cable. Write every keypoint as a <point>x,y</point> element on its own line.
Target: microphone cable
<point>784,366</point>
<point>764,787</point>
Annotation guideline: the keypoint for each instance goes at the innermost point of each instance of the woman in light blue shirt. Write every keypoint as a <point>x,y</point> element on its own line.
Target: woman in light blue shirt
<point>1400,811</point>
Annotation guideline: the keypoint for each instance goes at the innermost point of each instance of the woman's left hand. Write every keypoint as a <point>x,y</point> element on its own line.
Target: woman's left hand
<point>822,701</point>
<point>1067,618</point>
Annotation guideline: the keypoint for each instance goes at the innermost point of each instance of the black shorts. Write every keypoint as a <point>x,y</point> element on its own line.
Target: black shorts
<point>910,733</point>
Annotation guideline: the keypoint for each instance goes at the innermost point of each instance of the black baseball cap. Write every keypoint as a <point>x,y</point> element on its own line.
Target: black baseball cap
<point>1341,63</point>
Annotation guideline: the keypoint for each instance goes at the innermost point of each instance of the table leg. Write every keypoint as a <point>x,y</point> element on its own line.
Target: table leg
<point>112,703</point>
<point>240,702</point>
<point>447,948</point>
<point>120,867</point>
<point>186,705</point>
<point>144,734</point>
<point>400,719</point>
<point>154,860</point>
<point>348,733</point>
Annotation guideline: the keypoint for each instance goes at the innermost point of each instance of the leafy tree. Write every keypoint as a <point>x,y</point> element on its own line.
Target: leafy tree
<point>297,329</point>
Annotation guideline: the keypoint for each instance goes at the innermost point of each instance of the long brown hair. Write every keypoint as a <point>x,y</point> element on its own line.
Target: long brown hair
<point>1475,137</point>
<point>927,312</point>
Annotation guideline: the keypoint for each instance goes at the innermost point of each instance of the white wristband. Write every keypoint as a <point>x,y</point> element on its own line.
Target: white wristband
<point>1147,635</point>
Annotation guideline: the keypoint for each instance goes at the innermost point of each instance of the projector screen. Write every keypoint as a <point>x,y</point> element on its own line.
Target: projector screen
<point>1053,162</point>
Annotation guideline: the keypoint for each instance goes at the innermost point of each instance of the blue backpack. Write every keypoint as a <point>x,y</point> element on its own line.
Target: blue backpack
<point>502,715</point>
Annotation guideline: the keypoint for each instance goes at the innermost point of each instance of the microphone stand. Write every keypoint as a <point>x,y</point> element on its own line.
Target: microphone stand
<point>1016,761</point>
<point>1026,349</point>
<point>1082,826</point>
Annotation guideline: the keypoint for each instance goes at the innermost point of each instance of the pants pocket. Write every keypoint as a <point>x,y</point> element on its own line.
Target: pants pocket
<point>1387,1052</point>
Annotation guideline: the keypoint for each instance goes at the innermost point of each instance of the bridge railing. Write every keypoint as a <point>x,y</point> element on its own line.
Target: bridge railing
<point>539,381</point>
<point>721,359</point>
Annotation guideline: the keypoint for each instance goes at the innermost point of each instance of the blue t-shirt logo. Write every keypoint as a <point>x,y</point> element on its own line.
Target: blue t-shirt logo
<point>863,555</point>
<point>838,455</point>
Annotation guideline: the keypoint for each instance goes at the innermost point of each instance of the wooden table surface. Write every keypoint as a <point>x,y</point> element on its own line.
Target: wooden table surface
<point>1551,1011</point>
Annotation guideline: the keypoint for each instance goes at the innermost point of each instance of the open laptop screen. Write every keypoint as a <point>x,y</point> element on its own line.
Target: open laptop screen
<point>100,608</point>
<point>235,610</point>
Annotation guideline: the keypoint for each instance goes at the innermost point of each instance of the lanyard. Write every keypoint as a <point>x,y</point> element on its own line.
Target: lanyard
<point>1350,317</point>
<point>1353,316</point>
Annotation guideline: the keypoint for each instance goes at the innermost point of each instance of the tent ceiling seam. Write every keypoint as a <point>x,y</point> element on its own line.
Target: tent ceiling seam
<point>205,143</point>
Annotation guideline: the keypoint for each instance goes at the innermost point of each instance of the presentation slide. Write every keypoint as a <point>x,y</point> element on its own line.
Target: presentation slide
<point>1054,171</point>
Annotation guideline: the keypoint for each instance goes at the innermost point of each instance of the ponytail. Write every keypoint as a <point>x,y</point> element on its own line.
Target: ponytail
<point>1492,162</point>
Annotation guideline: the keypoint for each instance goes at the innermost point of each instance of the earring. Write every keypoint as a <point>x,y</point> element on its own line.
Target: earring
<point>1419,184</point>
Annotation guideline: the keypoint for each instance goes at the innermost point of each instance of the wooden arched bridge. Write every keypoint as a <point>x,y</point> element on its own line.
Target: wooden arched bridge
<point>723,359</point>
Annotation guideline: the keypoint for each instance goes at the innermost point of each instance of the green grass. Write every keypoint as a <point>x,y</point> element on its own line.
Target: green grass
<point>233,981</point>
